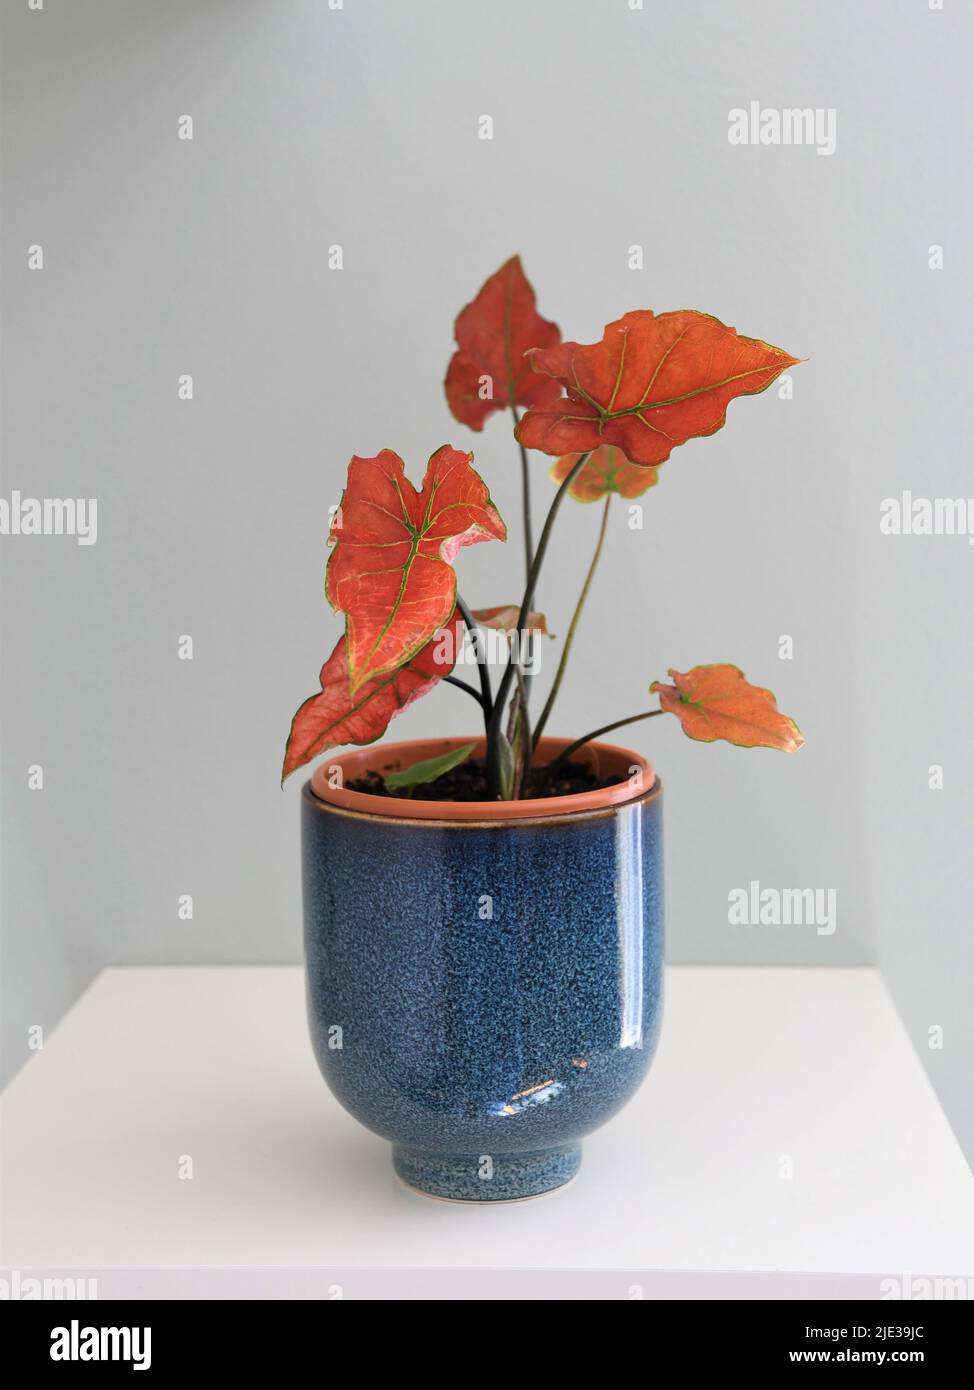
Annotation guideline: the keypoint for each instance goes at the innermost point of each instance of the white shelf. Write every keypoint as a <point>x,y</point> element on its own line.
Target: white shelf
<point>755,1065</point>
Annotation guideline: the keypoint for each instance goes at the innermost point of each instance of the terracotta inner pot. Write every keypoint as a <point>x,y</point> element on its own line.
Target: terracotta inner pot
<point>605,759</point>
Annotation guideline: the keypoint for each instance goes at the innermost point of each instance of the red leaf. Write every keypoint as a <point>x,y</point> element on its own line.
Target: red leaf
<point>504,619</point>
<point>391,571</point>
<point>714,702</point>
<point>493,333</point>
<point>335,716</point>
<point>469,392</point>
<point>607,470</point>
<point>650,384</point>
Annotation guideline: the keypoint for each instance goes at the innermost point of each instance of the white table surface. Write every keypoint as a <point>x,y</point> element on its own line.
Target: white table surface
<point>755,1065</point>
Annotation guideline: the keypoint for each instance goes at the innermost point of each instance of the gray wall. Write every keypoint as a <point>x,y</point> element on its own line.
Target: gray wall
<point>359,126</point>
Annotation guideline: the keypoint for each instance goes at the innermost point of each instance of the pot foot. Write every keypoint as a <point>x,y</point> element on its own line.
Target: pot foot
<point>486,1177</point>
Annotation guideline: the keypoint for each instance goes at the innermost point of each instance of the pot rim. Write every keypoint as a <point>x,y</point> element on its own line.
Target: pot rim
<point>641,782</point>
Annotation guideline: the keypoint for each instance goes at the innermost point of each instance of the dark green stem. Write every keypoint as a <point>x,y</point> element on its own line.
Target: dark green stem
<point>519,737</point>
<point>485,690</point>
<point>552,696</point>
<point>495,723</point>
<point>528,538</point>
<point>462,685</point>
<point>525,498</point>
<point>605,729</point>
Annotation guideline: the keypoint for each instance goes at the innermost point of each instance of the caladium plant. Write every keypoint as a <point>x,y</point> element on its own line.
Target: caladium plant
<point>611,413</point>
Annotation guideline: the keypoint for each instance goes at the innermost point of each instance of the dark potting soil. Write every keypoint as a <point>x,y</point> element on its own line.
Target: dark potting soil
<point>468,783</point>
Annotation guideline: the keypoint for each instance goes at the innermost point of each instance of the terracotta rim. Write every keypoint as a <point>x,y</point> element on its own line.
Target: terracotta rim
<point>606,758</point>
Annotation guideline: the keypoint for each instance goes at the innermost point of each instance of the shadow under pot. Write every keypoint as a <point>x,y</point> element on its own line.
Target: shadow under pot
<point>484,978</point>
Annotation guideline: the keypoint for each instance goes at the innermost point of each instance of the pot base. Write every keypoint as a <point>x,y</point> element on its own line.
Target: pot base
<point>486,1177</point>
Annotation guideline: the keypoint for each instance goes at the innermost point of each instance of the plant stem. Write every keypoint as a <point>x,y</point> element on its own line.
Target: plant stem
<point>528,538</point>
<point>519,736</point>
<point>543,718</point>
<point>462,685</point>
<point>605,729</point>
<point>485,690</point>
<point>525,498</point>
<point>522,685</point>
<point>495,723</point>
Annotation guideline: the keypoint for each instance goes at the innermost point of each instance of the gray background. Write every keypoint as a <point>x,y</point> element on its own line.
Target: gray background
<point>359,127</point>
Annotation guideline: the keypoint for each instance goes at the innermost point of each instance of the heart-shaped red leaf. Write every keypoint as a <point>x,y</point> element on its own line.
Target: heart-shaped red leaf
<point>714,702</point>
<point>335,716</point>
<point>504,619</point>
<point>391,572</point>
<point>606,470</point>
<point>653,382</point>
<point>489,371</point>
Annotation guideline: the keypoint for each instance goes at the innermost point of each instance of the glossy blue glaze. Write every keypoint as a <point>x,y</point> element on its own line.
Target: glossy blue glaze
<point>484,995</point>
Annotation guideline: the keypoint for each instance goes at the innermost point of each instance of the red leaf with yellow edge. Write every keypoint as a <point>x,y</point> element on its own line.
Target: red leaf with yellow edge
<point>335,716</point>
<point>391,572</point>
<point>493,333</point>
<point>653,382</point>
<point>606,470</point>
<point>714,702</point>
<point>504,619</point>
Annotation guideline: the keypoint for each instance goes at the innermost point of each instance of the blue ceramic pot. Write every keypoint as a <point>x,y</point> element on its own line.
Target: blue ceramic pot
<point>483,991</point>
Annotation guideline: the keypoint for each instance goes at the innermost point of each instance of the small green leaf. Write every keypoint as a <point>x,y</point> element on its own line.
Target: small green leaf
<point>429,769</point>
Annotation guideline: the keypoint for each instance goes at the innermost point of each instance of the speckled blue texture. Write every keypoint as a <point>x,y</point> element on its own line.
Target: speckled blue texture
<point>484,995</point>
<point>487,1177</point>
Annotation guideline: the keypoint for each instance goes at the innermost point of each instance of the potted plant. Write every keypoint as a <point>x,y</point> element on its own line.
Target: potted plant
<point>483,916</point>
